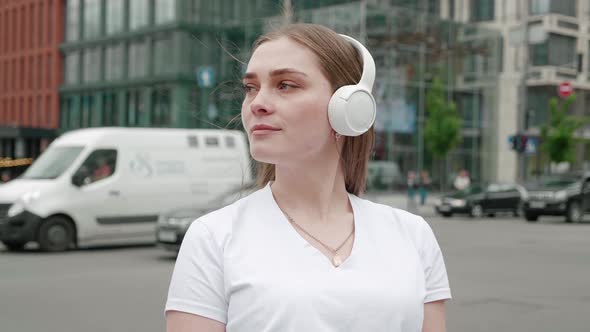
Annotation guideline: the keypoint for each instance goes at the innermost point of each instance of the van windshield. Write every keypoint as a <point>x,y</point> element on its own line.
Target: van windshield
<point>53,162</point>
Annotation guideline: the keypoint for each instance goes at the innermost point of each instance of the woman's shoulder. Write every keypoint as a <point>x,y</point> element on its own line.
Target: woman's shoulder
<point>220,222</point>
<point>381,215</point>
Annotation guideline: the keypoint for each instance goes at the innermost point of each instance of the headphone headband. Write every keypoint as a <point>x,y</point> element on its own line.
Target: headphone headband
<point>352,108</point>
<point>368,76</point>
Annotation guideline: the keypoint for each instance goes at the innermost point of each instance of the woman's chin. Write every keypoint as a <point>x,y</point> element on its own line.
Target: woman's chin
<point>264,155</point>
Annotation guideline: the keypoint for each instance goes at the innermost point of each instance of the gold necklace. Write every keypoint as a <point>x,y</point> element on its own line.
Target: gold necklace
<point>336,258</point>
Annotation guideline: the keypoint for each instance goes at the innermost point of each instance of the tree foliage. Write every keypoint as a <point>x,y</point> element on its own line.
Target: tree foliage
<point>557,135</point>
<point>442,130</point>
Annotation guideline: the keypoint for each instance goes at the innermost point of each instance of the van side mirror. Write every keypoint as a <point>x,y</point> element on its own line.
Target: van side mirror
<point>78,179</point>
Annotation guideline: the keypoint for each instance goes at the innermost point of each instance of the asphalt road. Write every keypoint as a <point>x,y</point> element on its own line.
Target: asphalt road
<point>506,275</point>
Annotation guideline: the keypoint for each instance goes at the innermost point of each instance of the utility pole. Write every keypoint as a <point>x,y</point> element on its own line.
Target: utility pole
<point>522,105</point>
<point>421,84</point>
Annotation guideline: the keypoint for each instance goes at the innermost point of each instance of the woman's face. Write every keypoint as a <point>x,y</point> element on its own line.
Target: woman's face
<point>285,106</point>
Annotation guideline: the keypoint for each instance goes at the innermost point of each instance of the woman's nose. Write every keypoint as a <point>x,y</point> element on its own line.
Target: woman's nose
<point>261,104</point>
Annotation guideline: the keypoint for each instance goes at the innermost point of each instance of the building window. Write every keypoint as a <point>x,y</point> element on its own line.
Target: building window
<point>110,109</point>
<point>138,13</point>
<point>138,53</point>
<point>72,68</point>
<point>558,50</point>
<point>482,10</point>
<point>195,10</point>
<point>114,62</point>
<point>87,111</point>
<point>73,20</point>
<point>161,112</point>
<point>114,16</point>
<point>165,11</point>
<point>163,46</point>
<point>135,108</point>
<point>564,7</point>
<point>91,72</point>
<point>91,18</point>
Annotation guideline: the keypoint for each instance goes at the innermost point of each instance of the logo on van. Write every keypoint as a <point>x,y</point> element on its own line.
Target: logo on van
<point>140,165</point>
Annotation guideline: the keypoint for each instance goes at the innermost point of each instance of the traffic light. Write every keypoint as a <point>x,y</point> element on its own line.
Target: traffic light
<point>519,142</point>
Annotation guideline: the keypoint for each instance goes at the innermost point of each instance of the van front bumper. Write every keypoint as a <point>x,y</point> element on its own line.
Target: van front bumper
<point>19,228</point>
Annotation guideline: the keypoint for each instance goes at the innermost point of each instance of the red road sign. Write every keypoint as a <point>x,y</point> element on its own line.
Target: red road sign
<point>565,90</point>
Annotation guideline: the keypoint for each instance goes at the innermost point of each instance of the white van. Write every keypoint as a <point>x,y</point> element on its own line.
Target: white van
<point>105,186</point>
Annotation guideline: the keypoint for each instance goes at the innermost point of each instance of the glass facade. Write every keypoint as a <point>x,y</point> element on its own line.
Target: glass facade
<point>558,50</point>
<point>114,62</point>
<point>163,50</point>
<point>115,14</point>
<point>155,72</point>
<point>564,7</point>
<point>482,10</point>
<point>73,20</point>
<point>92,65</point>
<point>138,14</point>
<point>138,52</point>
<point>92,19</point>
<point>165,11</point>
<point>72,68</point>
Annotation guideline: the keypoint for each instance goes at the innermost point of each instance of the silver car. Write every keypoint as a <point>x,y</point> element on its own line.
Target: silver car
<point>173,224</point>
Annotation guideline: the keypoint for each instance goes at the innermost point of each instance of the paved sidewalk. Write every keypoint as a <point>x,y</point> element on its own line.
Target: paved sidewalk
<point>400,200</point>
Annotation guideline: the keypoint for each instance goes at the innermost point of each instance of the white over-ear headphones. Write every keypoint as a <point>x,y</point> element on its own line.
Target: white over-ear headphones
<point>352,109</point>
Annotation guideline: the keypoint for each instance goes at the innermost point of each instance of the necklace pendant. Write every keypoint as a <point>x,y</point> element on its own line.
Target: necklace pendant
<point>337,260</point>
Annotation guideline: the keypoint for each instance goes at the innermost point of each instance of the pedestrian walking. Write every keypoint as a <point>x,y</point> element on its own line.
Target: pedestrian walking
<point>425,183</point>
<point>462,180</point>
<point>305,252</point>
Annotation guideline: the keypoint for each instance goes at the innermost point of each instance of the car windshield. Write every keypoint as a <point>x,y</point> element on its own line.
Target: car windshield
<point>53,162</point>
<point>558,181</point>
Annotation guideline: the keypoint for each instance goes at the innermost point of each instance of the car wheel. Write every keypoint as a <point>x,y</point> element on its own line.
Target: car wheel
<point>574,212</point>
<point>55,234</point>
<point>531,216</point>
<point>447,214</point>
<point>14,246</point>
<point>519,210</point>
<point>476,211</point>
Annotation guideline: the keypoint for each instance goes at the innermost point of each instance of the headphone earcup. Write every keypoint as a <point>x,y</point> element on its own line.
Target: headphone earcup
<point>351,110</point>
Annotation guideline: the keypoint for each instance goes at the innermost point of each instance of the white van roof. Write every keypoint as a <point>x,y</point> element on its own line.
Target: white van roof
<point>132,136</point>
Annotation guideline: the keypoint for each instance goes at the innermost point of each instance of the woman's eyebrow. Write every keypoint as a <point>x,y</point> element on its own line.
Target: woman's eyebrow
<point>276,72</point>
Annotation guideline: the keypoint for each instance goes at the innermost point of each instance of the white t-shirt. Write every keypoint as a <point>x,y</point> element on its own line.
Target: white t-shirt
<point>246,266</point>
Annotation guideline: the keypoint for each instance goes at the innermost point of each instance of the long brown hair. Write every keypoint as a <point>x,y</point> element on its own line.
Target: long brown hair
<point>342,65</point>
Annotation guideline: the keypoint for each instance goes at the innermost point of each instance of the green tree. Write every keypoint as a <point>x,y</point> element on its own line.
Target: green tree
<point>442,130</point>
<point>557,135</point>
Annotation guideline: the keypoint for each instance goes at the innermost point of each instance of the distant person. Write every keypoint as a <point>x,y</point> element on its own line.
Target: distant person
<point>103,170</point>
<point>424,186</point>
<point>462,180</point>
<point>282,258</point>
<point>5,177</point>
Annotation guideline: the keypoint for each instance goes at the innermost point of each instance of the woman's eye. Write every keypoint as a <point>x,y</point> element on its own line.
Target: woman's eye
<point>248,88</point>
<point>285,86</point>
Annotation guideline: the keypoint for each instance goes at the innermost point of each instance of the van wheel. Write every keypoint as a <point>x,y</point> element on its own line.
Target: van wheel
<point>574,212</point>
<point>530,217</point>
<point>14,246</point>
<point>55,234</point>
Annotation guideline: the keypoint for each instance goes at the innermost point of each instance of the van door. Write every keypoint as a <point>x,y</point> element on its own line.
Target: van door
<point>100,201</point>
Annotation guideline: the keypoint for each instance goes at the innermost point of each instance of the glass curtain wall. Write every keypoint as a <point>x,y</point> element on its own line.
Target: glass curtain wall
<point>411,48</point>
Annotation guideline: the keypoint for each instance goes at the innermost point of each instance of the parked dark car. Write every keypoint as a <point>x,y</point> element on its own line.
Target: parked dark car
<point>480,200</point>
<point>172,225</point>
<point>565,195</point>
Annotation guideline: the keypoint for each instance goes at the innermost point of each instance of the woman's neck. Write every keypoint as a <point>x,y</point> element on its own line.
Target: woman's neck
<point>316,189</point>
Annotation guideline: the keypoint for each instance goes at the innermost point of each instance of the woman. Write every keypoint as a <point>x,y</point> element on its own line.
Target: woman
<point>305,253</point>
